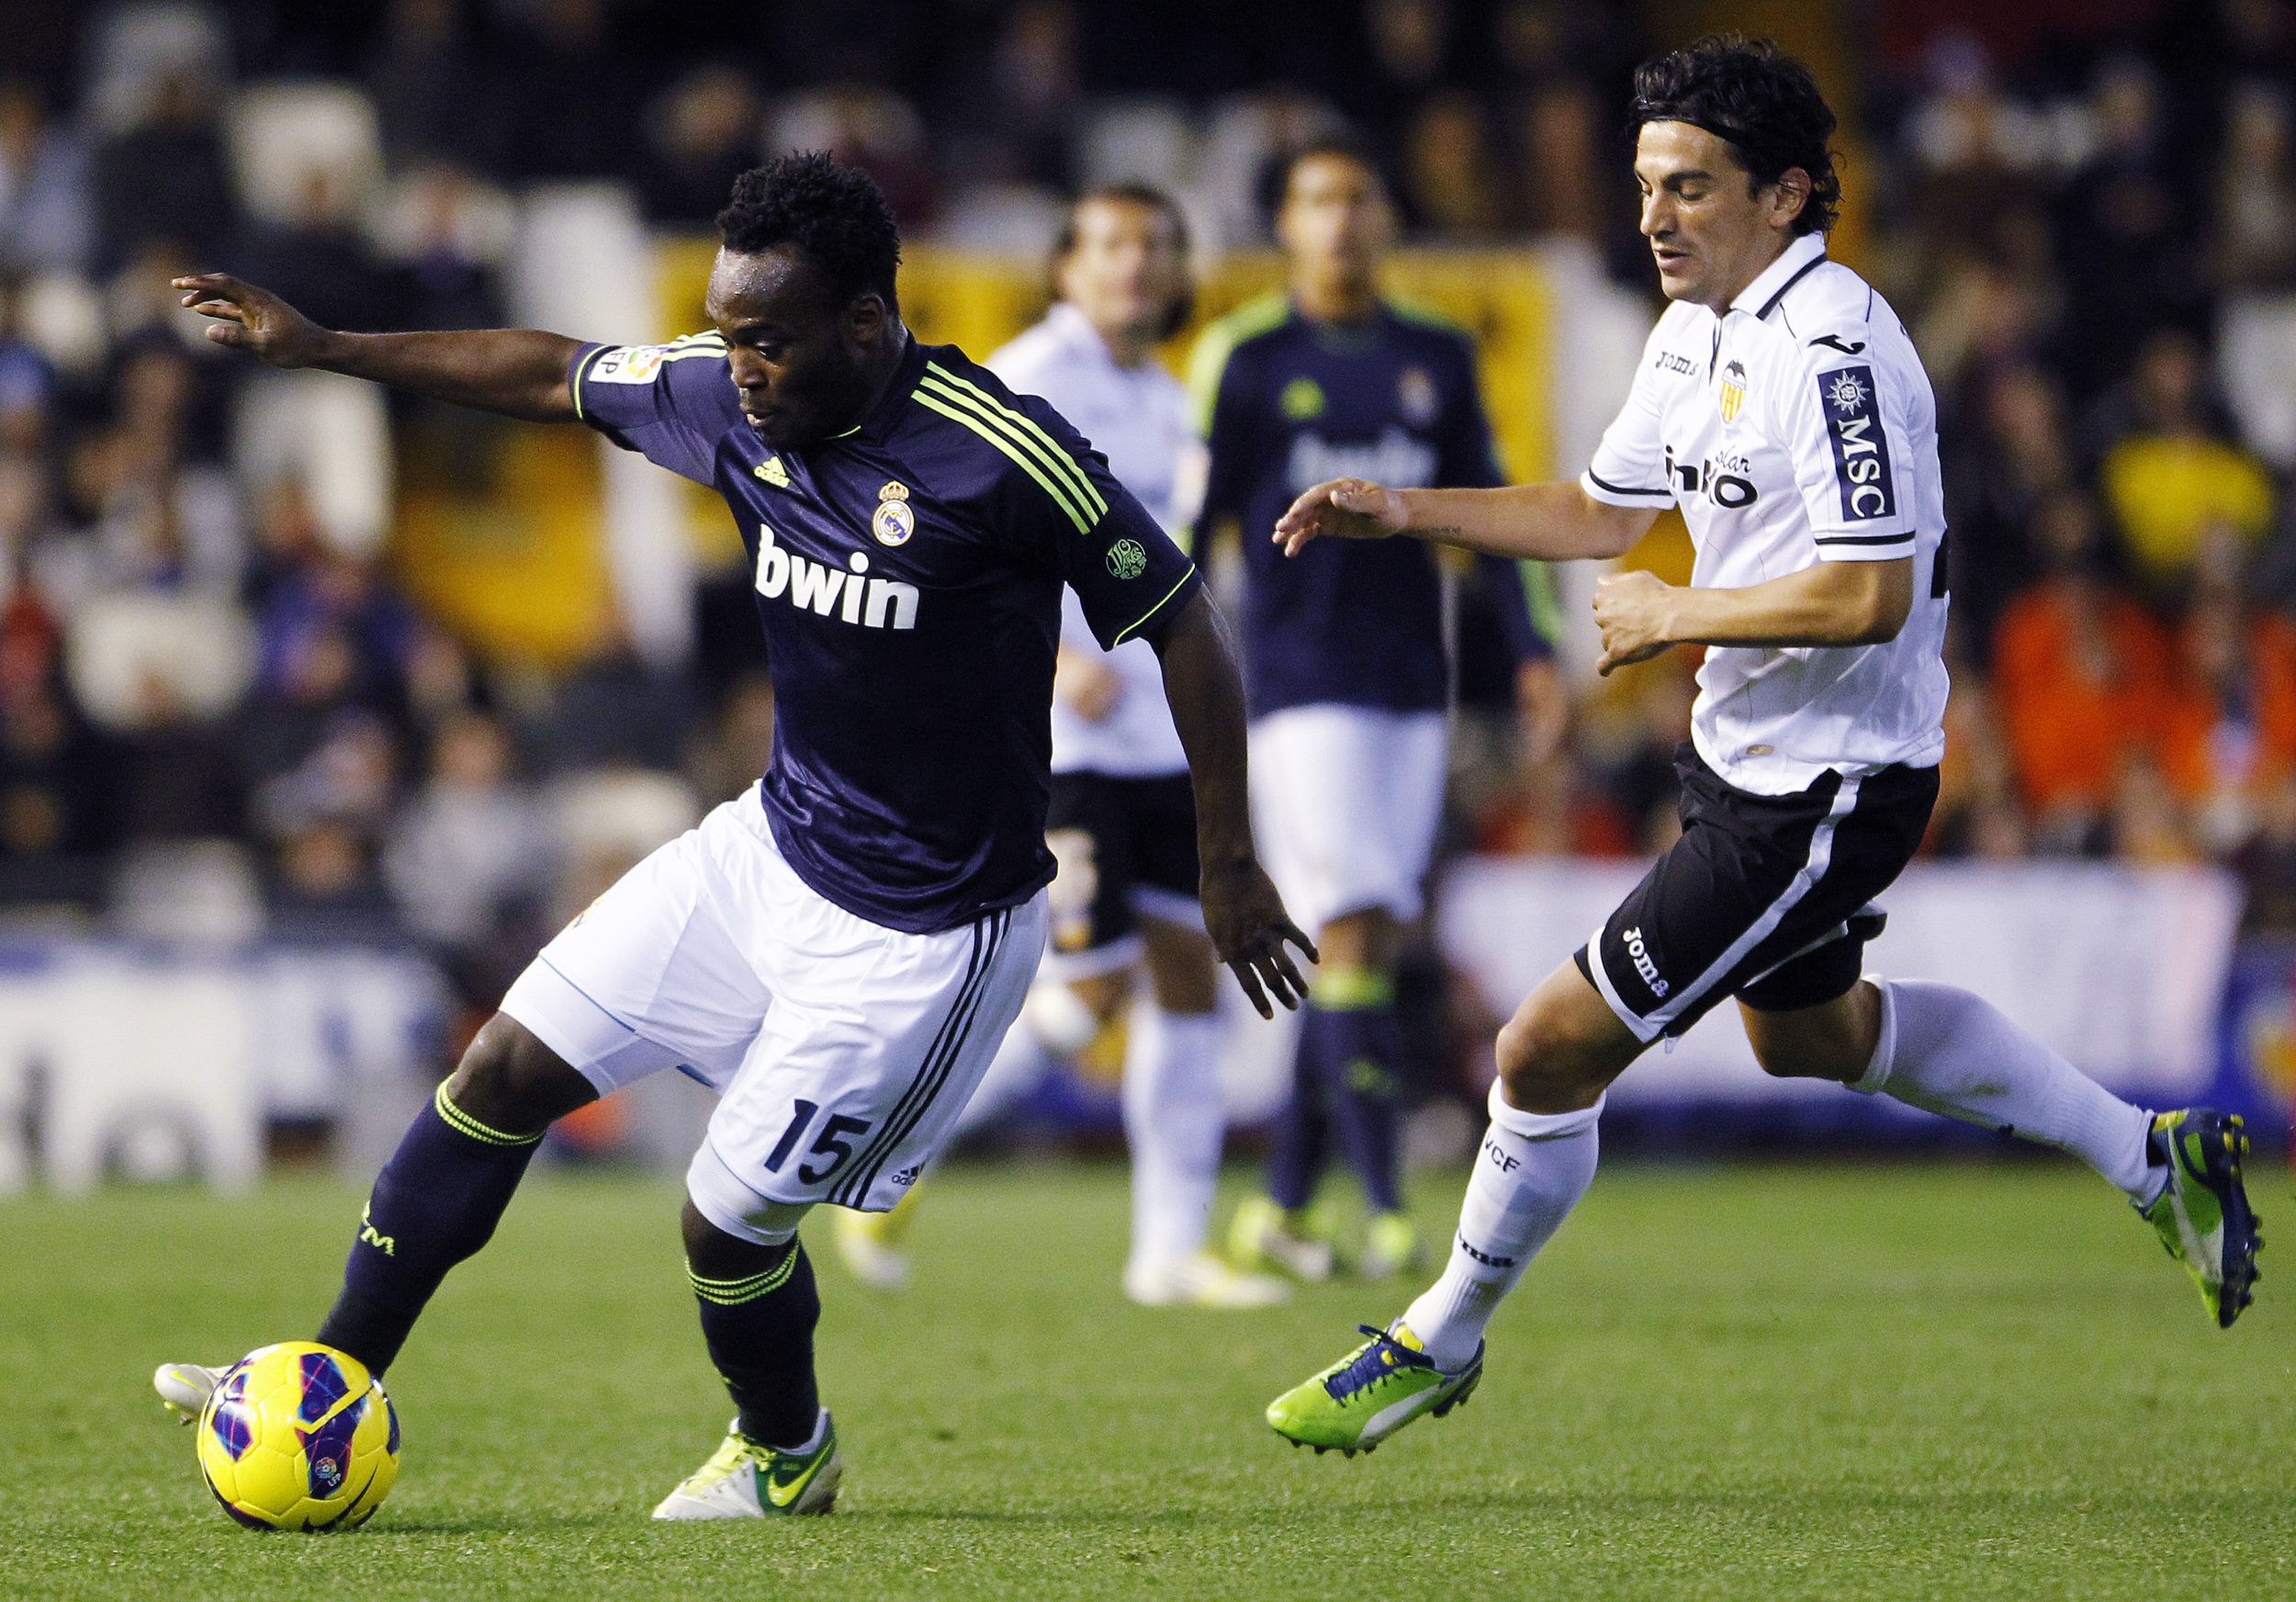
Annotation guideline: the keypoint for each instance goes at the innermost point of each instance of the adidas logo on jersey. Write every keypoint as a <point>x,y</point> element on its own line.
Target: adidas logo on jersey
<point>843,594</point>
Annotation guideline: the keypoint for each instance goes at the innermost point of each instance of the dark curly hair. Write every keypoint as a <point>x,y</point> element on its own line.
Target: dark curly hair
<point>835,215</point>
<point>1762,101</point>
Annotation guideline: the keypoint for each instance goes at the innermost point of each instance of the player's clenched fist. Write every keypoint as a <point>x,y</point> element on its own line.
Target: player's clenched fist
<point>1632,609</point>
<point>254,320</point>
<point>1343,508</point>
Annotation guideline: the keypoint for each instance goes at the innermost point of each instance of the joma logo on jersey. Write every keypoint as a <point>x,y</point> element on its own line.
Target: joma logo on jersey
<point>1640,954</point>
<point>1860,444</point>
<point>840,593</point>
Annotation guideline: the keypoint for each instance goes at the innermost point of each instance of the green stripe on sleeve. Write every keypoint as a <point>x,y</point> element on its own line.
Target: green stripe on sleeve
<point>1084,525</point>
<point>1022,431</point>
<point>1140,622</point>
<point>575,385</point>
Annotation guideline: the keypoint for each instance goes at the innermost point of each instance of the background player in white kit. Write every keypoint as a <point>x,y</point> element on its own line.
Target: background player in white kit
<point>1122,821</point>
<point>1780,405</point>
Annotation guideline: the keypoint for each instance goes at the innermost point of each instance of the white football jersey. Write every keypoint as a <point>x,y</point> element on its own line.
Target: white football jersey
<point>1797,427</point>
<point>1138,418</point>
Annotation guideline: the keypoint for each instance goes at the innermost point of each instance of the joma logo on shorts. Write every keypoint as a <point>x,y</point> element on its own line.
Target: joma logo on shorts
<point>830,592</point>
<point>1643,965</point>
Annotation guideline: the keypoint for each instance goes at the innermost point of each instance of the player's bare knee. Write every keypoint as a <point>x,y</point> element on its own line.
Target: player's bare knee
<point>1546,1068</point>
<point>509,1080</point>
<point>715,1255</point>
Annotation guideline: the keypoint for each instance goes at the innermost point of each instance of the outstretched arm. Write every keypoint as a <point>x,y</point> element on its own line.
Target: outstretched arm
<point>1243,913</point>
<point>519,372</point>
<point>1550,521</point>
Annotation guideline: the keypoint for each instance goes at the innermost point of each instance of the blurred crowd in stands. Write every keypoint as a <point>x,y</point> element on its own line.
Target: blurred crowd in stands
<point>209,677</point>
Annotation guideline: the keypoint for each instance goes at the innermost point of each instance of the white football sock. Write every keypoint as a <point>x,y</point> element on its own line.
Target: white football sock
<point>1949,1051</point>
<point>1530,1171</point>
<point>1174,1120</point>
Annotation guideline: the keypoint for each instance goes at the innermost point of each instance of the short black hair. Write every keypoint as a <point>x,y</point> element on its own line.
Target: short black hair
<point>835,215</point>
<point>1131,192</point>
<point>1762,101</point>
<point>1340,144</point>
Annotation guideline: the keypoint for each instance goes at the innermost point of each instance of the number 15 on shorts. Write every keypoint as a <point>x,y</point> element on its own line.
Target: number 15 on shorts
<point>832,1145</point>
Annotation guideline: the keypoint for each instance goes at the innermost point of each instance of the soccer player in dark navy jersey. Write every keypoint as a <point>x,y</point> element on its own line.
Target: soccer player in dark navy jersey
<point>1346,662</point>
<point>838,952</point>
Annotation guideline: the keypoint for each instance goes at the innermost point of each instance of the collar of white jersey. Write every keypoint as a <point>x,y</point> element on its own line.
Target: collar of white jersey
<point>1802,255</point>
<point>1075,331</point>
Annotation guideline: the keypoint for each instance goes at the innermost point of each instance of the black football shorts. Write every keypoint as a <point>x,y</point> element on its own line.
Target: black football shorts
<point>1767,898</point>
<point>1126,846</point>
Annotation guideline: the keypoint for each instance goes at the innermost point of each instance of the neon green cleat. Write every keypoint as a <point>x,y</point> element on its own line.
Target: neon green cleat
<point>1264,1238</point>
<point>1370,1393</point>
<point>875,1245</point>
<point>1391,1245</point>
<point>747,1479</point>
<point>2202,1214</point>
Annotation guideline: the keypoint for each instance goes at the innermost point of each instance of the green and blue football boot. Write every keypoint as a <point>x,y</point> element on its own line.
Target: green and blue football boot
<point>2203,1214</point>
<point>747,1479</point>
<point>1370,1393</point>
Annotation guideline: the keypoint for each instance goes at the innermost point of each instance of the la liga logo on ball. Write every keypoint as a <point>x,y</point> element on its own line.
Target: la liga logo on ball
<point>1128,558</point>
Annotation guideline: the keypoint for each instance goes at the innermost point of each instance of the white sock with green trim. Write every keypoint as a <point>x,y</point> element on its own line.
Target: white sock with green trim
<point>1530,1171</point>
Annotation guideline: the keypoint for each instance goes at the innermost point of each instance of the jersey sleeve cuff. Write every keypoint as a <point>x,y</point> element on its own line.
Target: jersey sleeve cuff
<point>1843,546</point>
<point>1153,622</point>
<point>574,371</point>
<point>1656,497</point>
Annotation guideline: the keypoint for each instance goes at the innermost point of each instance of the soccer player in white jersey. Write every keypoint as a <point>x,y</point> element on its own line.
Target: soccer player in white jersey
<point>836,953</point>
<point>1780,405</point>
<point>1122,823</point>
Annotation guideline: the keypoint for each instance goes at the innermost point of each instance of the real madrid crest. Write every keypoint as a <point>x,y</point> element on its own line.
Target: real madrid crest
<point>1416,398</point>
<point>894,522</point>
<point>1733,390</point>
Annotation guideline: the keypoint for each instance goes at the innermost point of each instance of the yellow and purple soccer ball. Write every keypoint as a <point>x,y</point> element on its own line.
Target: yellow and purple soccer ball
<point>299,1437</point>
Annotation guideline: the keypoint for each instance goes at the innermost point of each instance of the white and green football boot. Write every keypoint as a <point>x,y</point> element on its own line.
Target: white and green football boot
<point>747,1479</point>
<point>1370,1393</point>
<point>2203,1213</point>
<point>186,1387</point>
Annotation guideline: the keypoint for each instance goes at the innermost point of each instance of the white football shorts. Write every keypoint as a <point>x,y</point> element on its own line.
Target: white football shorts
<point>841,1050</point>
<point>1345,801</point>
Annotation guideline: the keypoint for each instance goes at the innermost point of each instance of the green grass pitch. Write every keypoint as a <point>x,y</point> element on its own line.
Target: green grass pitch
<point>1769,1383</point>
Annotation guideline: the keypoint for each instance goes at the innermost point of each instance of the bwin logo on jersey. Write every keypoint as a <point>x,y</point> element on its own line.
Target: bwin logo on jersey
<point>1861,445</point>
<point>829,591</point>
<point>1395,459</point>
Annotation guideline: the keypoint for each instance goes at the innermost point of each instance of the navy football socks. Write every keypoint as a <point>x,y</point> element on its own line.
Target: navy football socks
<point>435,1202</point>
<point>1362,1047</point>
<point>1302,1139</point>
<point>759,1330</point>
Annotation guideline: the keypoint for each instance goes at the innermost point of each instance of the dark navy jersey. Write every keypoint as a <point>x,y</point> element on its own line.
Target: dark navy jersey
<point>908,578</point>
<point>1286,402</point>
